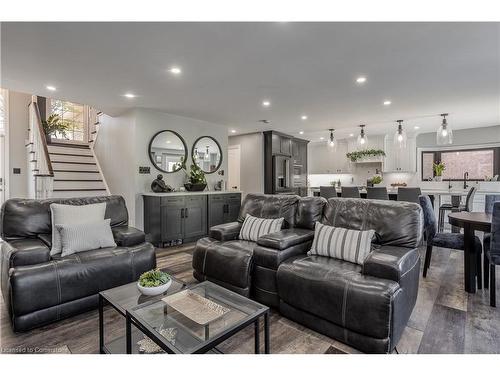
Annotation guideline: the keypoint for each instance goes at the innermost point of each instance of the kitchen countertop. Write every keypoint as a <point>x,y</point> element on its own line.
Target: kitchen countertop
<point>428,191</point>
<point>180,193</point>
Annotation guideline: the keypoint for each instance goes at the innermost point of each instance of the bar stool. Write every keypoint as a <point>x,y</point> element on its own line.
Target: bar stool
<point>409,194</point>
<point>466,207</point>
<point>377,193</point>
<point>454,205</point>
<point>350,192</point>
<point>327,192</point>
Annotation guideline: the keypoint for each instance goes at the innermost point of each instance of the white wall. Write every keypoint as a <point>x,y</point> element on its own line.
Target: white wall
<point>251,161</point>
<point>122,147</point>
<point>18,134</point>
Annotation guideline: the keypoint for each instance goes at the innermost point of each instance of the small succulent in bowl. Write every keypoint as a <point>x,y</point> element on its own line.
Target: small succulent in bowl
<point>154,282</point>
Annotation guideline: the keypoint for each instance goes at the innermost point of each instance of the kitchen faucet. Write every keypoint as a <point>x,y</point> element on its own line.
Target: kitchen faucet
<point>466,176</point>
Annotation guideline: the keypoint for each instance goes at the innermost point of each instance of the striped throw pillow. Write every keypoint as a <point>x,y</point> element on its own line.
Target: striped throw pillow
<point>255,227</point>
<point>341,243</point>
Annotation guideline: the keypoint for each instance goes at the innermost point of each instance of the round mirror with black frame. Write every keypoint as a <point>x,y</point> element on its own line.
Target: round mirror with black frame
<point>167,151</point>
<point>207,154</point>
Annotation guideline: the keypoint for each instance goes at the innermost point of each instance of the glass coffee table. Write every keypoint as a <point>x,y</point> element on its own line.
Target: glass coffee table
<point>196,320</point>
<point>121,299</point>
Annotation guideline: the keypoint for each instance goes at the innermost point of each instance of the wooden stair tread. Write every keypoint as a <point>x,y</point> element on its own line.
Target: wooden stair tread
<point>74,171</point>
<point>79,190</point>
<point>60,153</point>
<point>68,179</point>
<point>72,162</point>
<point>69,145</point>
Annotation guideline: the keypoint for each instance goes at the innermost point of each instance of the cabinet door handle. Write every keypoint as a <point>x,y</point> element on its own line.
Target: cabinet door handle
<point>182,213</point>
<point>186,212</point>
<point>226,208</point>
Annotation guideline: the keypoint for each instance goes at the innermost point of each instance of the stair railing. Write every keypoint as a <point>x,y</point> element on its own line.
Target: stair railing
<point>94,126</point>
<point>38,156</point>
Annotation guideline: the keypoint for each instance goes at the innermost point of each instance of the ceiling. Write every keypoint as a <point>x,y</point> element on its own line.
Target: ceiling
<point>228,69</point>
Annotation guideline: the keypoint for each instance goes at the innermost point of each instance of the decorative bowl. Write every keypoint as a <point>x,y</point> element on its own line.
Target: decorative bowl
<point>154,290</point>
<point>195,187</point>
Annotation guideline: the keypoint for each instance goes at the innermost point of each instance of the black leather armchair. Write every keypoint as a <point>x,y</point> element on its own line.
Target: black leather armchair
<point>39,289</point>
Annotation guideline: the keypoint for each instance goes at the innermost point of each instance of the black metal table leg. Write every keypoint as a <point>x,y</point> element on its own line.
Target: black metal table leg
<point>128,333</point>
<point>267,350</point>
<point>469,259</point>
<point>101,325</point>
<point>257,336</point>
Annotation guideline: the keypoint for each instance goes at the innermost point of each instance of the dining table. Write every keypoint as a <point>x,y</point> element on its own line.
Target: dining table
<point>470,222</point>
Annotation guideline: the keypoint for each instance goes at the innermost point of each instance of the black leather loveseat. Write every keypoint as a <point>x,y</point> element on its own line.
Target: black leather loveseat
<point>366,306</point>
<point>39,289</point>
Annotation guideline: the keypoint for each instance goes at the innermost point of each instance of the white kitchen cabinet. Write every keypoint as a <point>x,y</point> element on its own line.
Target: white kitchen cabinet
<point>324,160</point>
<point>400,160</point>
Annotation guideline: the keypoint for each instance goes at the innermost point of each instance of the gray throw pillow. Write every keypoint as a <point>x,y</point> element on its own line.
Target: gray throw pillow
<point>85,236</point>
<point>254,227</point>
<point>72,214</point>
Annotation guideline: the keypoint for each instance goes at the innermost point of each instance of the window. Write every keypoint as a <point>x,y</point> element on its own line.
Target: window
<point>479,163</point>
<point>74,115</point>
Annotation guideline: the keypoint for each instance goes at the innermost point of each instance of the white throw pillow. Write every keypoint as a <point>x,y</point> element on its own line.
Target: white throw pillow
<point>341,243</point>
<point>71,214</point>
<point>254,227</point>
<point>85,236</point>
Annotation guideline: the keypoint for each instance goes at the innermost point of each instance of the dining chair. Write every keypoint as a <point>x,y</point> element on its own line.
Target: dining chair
<point>448,240</point>
<point>377,193</point>
<point>493,252</point>
<point>409,194</point>
<point>350,192</point>
<point>490,200</point>
<point>327,192</point>
<point>455,204</point>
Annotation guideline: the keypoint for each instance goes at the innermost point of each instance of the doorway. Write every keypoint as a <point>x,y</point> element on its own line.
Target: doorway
<point>233,166</point>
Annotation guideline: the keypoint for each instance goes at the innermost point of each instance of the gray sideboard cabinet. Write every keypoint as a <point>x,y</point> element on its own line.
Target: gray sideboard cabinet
<point>187,216</point>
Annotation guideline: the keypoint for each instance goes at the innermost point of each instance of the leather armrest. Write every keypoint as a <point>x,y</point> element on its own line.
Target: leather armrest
<point>24,252</point>
<point>226,232</point>
<point>286,238</point>
<point>128,236</point>
<point>390,262</point>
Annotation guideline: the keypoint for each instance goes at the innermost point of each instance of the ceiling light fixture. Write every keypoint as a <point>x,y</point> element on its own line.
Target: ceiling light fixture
<point>444,135</point>
<point>175,70</point>
<point>361,79</point>
<point>362,138</point>
<point>331,141</point>
<point>304,117</point>
<point>266,103</point>
<point>387,102</point>
<point>233,131</point>
<point>301,132</point>
<point>400,136</point>
<point>129,95</point>
<point>416,127</point>
<point>321,138</point>
<point>50,88</point>
<point>351,135</point>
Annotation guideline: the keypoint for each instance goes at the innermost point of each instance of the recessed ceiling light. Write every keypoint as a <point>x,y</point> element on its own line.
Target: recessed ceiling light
<point>387,102</point>
<point>129,95</point>
<point>266,103</point>
<point>304,117</point>
<point>50,88</point>
<point>233,131</point>
<point>301,132</point>
<point>351,135</point>
<point>175,70</point>
<point>321,138</point>
<point>361,79</point>
<point>416,127</point>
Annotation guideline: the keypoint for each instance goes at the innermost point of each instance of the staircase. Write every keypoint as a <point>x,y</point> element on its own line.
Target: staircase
<point>64,170</point>
<point>76,172</point>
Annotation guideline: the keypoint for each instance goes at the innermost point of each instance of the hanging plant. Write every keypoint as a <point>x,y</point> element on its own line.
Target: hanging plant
<point>358,155</point>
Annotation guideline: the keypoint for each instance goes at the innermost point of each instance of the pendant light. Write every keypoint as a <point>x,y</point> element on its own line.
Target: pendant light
<point>362,138</point>
<point>444,135</point>
<point>400,136</point>
<point>331,141</point>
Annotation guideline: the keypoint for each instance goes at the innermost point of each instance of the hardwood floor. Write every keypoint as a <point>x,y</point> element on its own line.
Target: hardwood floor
<point>446,319</point>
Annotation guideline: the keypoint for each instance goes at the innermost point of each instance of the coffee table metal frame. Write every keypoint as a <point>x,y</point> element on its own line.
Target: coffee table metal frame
<point>208,345</point>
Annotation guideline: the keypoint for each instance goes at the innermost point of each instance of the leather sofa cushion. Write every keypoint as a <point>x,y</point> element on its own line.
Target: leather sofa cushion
<point>390,262</point>
<point>128,236</point>
<point>272,258</point>
<point>270,206</point>
<point>25,252</point>
<point>229,262</point>
<point>20,218</point>
<point>77,276</point>
<point>336,291</point>
<point>396,223</point>
<point>309,211</point>
<point>226,232</point>
<point>286,238</point>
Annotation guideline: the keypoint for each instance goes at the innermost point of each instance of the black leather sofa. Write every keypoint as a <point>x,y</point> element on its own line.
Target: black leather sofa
<point>39,289</point>
<point>366,306</point>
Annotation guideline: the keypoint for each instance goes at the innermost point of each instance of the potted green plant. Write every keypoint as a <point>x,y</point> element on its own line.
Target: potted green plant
<point>356,156</point>
<point>154,282</point>
<point>375,180</point>
<point>53,125</point>
<point>438,168</point>
<point>196,178</point>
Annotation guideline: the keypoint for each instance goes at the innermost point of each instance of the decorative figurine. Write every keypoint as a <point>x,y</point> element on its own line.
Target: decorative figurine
<point>159,186</point>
